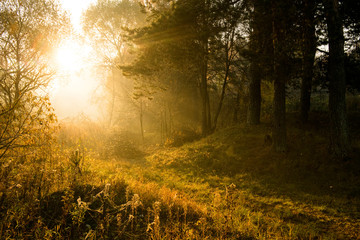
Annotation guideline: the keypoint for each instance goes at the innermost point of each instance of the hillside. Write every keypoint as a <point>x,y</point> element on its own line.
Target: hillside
<point>245,190</point>
<point>230,185</point>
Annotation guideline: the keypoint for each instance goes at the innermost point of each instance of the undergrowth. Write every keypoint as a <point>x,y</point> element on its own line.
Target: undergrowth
<point>230,185</point>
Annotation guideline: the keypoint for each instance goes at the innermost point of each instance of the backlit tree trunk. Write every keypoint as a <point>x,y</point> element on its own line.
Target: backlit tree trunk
<point>254,106</point>
<point>309,50</point>
<point>339,135</point>
<point>280,48</point>
<point>205,111</point>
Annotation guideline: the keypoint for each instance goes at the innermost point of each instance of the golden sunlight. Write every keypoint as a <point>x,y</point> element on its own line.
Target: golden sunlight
<point>68,57</point>
<point>73,88</point>
<point>75,8</point>
<point>75,83</point>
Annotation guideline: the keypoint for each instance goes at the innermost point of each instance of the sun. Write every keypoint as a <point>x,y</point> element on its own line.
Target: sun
<point>75,80</point>
<point>69,57</point>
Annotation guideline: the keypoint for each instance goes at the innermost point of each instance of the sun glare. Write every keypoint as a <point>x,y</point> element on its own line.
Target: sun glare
<point>68,58</point>
<point>75,9</point>
<point>72,89</point>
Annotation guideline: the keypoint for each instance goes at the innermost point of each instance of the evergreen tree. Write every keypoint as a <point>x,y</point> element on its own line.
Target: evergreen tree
<point>339,133</point>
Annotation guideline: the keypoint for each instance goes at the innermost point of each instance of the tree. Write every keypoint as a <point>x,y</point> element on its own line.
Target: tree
<point>226,63</point>
<point>282,20</point>
<point>203,29</point>
<point>308,56</point>
<point>24,69</point>
<point>198,41</point>
<point>350,11</point>
<point>229,56</point>
<point>28,31</point>
<point>352,69</point>
<point>175,41</point>
<point>260,55</point>
<point>107,23</point>
<point>339,133</point>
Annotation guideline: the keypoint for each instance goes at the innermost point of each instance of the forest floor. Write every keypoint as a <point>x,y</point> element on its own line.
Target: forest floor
<point>244,190</point>
<point>229,185</point>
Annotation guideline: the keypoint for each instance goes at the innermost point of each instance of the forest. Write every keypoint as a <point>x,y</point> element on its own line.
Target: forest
<point>197,119</point>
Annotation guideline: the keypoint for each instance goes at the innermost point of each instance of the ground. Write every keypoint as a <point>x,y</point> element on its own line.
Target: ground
<point>242,189</point>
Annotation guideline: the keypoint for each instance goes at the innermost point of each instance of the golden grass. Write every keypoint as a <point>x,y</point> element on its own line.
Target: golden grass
<point>227,186</point>
<point>248,190</point>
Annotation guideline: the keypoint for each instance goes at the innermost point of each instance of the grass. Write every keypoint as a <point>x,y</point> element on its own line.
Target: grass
<point>246,190</point>
<point>230,185</point>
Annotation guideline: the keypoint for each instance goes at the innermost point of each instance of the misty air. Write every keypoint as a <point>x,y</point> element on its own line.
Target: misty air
<point>179,119</point>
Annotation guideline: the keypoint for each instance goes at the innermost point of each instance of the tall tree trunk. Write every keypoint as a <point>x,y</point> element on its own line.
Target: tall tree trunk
<point>218,110</point>
<point>280,74</point>
<point>339,134</point>
<point>205,111</point>
<point>254,105</point>
<point>227,70</point>
<point>309,50</point>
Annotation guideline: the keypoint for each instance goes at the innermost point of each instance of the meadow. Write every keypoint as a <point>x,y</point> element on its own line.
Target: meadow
<point>230,185</point>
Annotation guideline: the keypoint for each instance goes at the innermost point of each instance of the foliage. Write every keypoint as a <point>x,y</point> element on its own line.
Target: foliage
<point>352,69</point>
<point>27,121</point>
<point>106,24</point>
<point>24,71</point>
<point>352,66</point>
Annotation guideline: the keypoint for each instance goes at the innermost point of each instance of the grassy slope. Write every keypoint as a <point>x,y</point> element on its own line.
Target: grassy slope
<point>242,185</point>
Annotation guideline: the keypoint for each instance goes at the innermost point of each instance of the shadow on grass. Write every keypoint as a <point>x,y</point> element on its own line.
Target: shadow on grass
<point>306,173</point>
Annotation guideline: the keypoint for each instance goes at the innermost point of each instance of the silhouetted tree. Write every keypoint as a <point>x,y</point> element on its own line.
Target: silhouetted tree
<point>260,44</point>
<point>282,20</point>
<point>308,56</point>
<point>339,133</point>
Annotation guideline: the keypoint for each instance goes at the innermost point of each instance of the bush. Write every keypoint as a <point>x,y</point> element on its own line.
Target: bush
<point>181,137</point>
<point>123,144</point>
